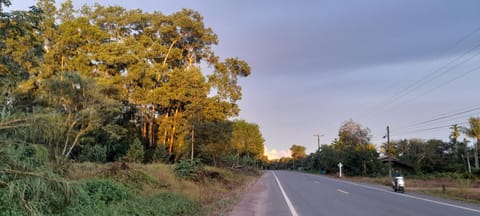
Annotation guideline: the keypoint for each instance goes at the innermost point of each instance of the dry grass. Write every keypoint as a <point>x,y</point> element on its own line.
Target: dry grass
<point>217,196</point>
<point>458,189</point>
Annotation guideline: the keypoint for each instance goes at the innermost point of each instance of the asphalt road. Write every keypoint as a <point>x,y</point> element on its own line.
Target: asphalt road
<point>293,193</point>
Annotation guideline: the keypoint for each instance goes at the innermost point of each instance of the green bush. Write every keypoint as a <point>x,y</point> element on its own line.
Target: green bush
<point>95,196</point>
<point>476,171</point>
<point>93,153</point>
<point>163,204</point>
<point>189,169</point>
<point>135,152</point>
<point>9,206</point>
<point>105,191</point>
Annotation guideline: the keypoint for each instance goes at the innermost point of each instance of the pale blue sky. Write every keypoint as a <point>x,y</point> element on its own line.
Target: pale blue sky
<point>319,63</point>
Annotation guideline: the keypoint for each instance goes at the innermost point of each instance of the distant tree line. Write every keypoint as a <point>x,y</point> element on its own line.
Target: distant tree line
<point>411,156</point>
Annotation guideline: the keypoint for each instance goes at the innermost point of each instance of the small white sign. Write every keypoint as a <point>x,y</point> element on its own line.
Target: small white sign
<point>340,165</point>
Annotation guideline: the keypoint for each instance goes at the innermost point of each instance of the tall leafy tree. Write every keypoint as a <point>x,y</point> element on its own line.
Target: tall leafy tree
<point>20,50</point>
<point>351,135</point>
<point>473,131</point>
<point>356,152</point>
<point>146,64</point>
<point>298,152</point>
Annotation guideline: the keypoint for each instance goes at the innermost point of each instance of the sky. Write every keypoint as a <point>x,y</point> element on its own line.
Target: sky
<point>411,65</point>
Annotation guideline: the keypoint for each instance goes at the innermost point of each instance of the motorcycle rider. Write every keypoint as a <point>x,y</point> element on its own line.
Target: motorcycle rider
<point>394,176</point>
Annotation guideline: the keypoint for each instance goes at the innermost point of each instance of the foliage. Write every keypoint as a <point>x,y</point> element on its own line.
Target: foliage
<point>161,204</point>
<point>189,169</point>
<point>93,153</point>
<point>25,179</point>
<point>77,85</point>
<point>109,67</point>
<point>135,152</point>
<point>474,132</point>
<point>9,206</point>
<point>106,197</point>
<point>298,152</point>
<point>104,191</point>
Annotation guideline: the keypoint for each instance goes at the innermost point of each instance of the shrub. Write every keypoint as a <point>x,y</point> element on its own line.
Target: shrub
<point>135,152</point>
<point>189,169</point>
<point>95,196</point>
<point>9,206</point>
<point>476,171</point>
<point>93,153</point>
<point>105,191</point>
<point>164,204</point>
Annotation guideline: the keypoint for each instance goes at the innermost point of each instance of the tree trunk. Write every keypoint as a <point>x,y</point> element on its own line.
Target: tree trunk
<point>193,144</point>
<point>151,137</point>
<point>164,138</point>
<point>150,133</point>
<point>62,62</point>
<point>144,130</point>
<point>170,149</point>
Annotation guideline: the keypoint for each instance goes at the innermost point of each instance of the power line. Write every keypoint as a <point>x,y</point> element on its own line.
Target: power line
<point>431,76</point>
<point>448,81</point>
<point>463,109</point>
<point>448,116</point>
<point>428,125</point>
<point>437,74</point>
<point>432,128</point>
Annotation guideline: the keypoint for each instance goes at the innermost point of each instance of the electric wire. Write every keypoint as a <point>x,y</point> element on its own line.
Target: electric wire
<point>430,76</point>
<point>428,129</point>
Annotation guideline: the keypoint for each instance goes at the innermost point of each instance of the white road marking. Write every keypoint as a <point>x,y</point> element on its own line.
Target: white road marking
<point>400,194</point>
<point>316,182</point>
<point>290,206</point>
<point>342,191</point>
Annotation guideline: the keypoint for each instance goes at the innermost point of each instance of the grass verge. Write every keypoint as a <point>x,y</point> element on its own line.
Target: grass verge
<point>153,189</point>
<point>467,190</point>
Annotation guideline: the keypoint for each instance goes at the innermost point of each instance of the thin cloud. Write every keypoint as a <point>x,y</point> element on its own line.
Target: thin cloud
<point>276,154</point>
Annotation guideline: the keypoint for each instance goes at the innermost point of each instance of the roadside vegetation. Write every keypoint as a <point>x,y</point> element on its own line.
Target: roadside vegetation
<point>106,111</point>
<point>444,168</point>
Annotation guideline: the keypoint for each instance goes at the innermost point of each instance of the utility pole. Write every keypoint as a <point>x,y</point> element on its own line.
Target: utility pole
<point>318,150</point>
<point>389,153</point>
<point>318,140</point>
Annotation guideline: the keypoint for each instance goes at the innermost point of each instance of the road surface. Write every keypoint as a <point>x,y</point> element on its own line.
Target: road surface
<point>292,193</point>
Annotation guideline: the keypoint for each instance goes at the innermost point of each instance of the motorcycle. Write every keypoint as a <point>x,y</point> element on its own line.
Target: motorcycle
<point>398,184</point>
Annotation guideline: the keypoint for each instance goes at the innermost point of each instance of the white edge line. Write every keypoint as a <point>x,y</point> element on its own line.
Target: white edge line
<point>405,195</point>
<point>290,206</point>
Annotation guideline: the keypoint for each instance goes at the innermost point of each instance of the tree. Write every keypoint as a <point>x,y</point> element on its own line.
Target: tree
<point>20,50</point>
<point>351,135</point>
<point>79,102</point>
<point>355,151</point>
<point>4,2</point>
<point>247,139</point>
<point>66,12</point>
<point>458,148</point>
<point>473,132</point>
<point>298,153</point>
<point>213,140</point>
<point>107,74</point>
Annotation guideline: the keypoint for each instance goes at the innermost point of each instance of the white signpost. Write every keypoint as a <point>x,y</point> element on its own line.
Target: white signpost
<point>340,165</point>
